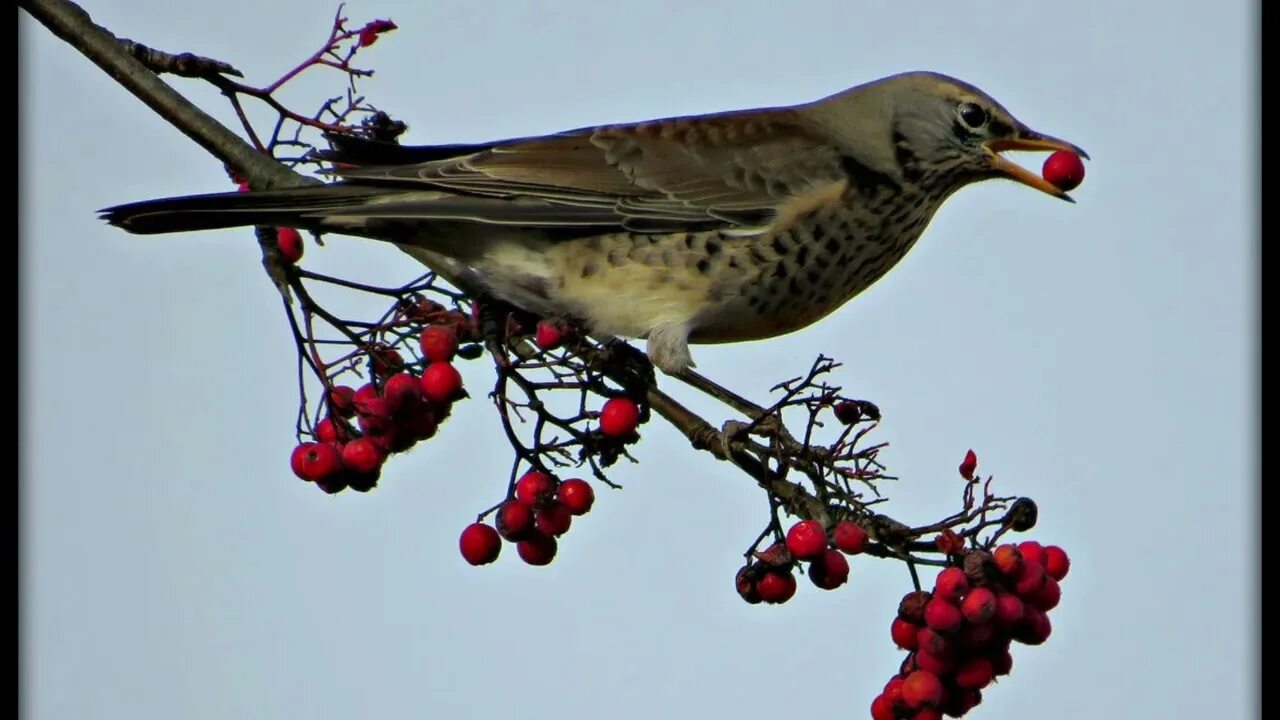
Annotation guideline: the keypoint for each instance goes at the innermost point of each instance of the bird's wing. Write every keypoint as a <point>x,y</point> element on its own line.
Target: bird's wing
<point>743,171</point>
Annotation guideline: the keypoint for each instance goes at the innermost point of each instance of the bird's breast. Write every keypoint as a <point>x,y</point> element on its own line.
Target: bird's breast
<point>821,261</point>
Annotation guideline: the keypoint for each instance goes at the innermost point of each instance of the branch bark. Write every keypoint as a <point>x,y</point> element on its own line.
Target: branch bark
<point>71,23</point>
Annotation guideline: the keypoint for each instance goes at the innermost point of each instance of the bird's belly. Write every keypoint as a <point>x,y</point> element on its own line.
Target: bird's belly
<point>722,288</point>
<point>627,284</point>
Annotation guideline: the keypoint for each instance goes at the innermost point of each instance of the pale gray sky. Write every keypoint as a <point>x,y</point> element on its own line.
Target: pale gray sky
<point>1099,357</point>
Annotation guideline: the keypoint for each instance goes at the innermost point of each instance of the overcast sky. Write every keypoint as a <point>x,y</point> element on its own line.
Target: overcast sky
<point>1098,356</point>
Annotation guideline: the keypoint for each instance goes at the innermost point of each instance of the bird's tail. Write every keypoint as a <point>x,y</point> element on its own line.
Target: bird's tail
<point>294,207</point>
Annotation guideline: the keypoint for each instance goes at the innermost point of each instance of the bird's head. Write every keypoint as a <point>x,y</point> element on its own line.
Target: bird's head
<point>933,130</point>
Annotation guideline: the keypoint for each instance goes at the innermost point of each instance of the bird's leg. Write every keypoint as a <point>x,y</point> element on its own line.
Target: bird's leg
<point>668,348</point>
<point>701,382</point>
<point>760,418</point>
<point>495,320</point>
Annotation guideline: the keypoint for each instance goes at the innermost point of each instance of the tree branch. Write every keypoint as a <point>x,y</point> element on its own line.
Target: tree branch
<point>71,23</point>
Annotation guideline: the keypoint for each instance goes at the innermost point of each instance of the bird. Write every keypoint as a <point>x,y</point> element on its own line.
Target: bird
<point>725,227</point>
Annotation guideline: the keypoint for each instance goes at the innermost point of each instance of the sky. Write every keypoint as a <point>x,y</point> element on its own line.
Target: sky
<point>1099,357</point>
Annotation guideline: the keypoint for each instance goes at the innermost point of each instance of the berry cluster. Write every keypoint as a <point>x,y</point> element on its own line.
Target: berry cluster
<point>958,637</point>
<point>770,578</point>
<point>400,407</point>
<point>541,510</point>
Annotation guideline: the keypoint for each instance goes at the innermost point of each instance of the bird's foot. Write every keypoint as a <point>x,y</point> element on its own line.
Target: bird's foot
<point>631,368</point>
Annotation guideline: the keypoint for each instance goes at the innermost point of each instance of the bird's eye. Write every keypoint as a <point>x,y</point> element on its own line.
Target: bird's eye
<point>972,115</point>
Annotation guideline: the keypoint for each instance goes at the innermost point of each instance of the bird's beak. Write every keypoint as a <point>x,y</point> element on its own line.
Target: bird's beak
<point>1032,141</point>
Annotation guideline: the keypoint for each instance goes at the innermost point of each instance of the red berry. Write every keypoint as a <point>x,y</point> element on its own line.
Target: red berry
<point>951,585</point>
<point>975,636</point>
<point>959,702</point>
<point>1034,628</point>
<point>342,401</point>
<point>367,401</point>
<point>479,544</point>
<point>537,549</point>
<point>1056,562</point>
<point>893,688</point>
<point>927,714</point>
<point>949,542</point>
<point>535,487</point>
<point>441,382</point>
<point>379,429</point>
<point>242,186</point>
<point>931,642</point>
<point>362,482</point>
<point>882,708</point>
<point>942,616</point>
<point>514,520</point>
<point>745,582</point>
<point>1001,662</point>
<point>807,540</point>
<point>314,461</point>
<point>1009,610</point>
<point>289,241</point>
<point>439,343</point>
<point>921,689</point>
<point>1049,595</point>
<point>1030,581</point>
<point>968,465</point>
<point>830,570</point>
<point>905,635</point>
<point>576,495</point>
<point>334,483</point>
<point>619,417</point>
<point>848,412</point>
<point>776,587</point>
<point>402,392</point>
<point>937,664</point>
<point>1008,560</point>
<point>362,455</point>
<point>329,430</point>
<point>849,538</point>
<point>1032,552</point>
<point>911,607</point>
<point>549,335</point>
<point>1064,169</point>
<point>979,607</point>
<point>553,519</point>
<point>974,673</point>
<point>419,423</point>
<point>385,360</point>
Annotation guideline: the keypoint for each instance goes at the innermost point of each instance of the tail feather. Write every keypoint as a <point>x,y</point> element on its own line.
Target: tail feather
<point>294,207</point>
<point>361,151</point>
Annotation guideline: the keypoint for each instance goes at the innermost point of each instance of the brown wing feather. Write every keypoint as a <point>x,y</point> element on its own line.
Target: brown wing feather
<point>734,169</point>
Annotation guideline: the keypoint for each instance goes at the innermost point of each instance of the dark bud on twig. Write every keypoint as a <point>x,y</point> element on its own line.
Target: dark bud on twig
<point>470,352</point>
<point>870,410</point>
<point>380,126</point>
<point>1022,515</point>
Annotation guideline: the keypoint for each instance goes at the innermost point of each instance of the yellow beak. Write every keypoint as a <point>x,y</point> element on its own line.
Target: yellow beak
<point>1028,140</point>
